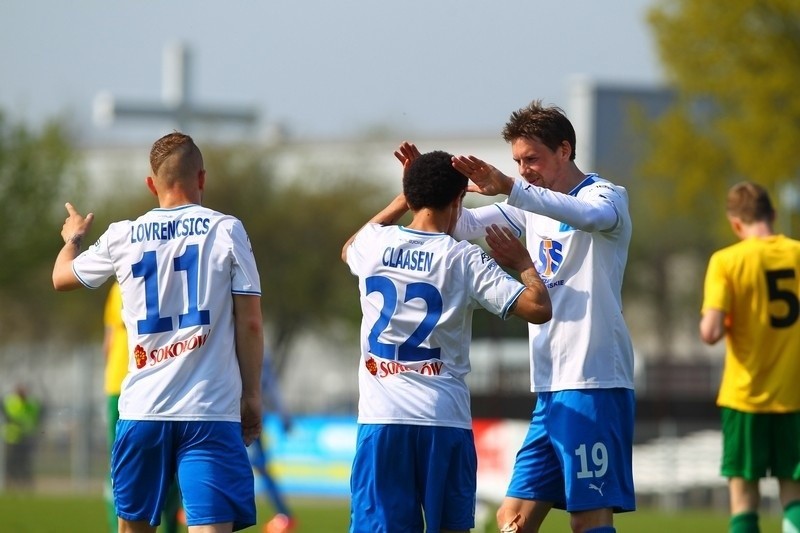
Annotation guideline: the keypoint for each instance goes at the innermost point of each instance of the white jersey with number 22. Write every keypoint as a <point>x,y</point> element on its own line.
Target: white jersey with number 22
<point>418,292</point>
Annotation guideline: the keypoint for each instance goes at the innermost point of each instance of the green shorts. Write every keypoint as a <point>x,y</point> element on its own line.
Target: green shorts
<point>757,445</point>
<point>112,413</point>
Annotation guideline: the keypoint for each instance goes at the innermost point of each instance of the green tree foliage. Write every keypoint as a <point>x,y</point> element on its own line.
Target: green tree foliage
<point>39,170</point>
<point>297,226</point>
<point>736,71</point>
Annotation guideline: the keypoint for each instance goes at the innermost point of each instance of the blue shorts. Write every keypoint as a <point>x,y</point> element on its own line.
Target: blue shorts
<point>211,463</point>
<point>578,453</point>
<point>401,472</point>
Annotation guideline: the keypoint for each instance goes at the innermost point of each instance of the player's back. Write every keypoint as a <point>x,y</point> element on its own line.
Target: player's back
<point>763,275</point>
<point>418,292</point>
<point>177,269</point>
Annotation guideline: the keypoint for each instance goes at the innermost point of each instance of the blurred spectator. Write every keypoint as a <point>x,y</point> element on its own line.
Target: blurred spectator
<point>22,415</point>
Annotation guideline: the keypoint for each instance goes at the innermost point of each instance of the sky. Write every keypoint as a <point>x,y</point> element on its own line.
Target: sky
<point>318,69</point>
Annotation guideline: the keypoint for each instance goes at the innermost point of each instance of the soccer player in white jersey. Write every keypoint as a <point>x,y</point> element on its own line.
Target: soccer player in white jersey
<point>415,457</point>
<point>191,299</point>
<point>578,452</point>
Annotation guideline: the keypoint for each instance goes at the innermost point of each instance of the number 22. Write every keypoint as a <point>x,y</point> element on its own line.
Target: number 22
<point>410,349</point>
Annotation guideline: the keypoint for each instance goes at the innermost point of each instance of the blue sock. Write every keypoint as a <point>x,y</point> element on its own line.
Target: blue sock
<point>275,496</point>
<point>602,529</point>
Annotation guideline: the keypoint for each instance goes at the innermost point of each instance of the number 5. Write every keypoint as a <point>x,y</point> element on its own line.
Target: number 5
<point>776,293</point>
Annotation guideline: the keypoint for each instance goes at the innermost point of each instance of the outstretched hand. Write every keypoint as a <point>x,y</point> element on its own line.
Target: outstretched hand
<point>76,226</point>
<point>406,153</point>
<point>485,178</point>
<point>507,249</point>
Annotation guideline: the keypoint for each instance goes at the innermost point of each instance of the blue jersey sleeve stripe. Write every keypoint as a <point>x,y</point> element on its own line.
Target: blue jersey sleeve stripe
<point>511,302</point>
<point>516,228</point>
<point>246,293</point>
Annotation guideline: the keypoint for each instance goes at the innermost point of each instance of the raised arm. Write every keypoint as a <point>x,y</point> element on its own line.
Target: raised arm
<point>486,179</point>
<point>405,153</point>
<point>598,210</point>
<point>533,304</point>
<point>74,231</point>
<point>386,216</point>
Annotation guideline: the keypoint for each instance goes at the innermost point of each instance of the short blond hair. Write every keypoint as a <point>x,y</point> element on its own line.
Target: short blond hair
<point>750,203</point>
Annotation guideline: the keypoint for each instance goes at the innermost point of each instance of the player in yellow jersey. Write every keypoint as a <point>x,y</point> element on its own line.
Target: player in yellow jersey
<point>751,299</point>
<point>115,350</point>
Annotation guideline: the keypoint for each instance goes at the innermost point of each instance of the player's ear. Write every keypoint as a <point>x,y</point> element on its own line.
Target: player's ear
<point>151,185</point>
<point>736,225</point>
<point>201,179</point>
<point>565,150</point>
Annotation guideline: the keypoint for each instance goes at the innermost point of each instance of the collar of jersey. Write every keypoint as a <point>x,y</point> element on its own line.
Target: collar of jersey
<point>418,232</point>
<point>585,183</point>
<point>176,208</point>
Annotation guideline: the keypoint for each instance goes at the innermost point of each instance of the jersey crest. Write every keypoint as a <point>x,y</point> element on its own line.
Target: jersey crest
<point>551,256</point>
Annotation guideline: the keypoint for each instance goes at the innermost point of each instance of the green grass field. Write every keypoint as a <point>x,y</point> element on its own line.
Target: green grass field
<point>34,513</point>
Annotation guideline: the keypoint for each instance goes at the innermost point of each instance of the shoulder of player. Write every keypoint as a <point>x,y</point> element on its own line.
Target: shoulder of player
<point>734,252</point>
<point>791,241</point>
<point>600,186</point>
<point>470,253</point>
<point>371,231</point>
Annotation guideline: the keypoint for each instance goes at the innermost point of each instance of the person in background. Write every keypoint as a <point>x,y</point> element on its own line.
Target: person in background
<point>284,520</point>
<point>115,352</point>
<point>191,303</point>
<point>578,453</point>
<point>751,299</point>
<point>22,413</point>
<point>415,466</point>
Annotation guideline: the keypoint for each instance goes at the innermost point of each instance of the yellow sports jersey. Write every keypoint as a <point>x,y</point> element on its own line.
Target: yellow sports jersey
<point>756,283</point>
<point>117,362</point>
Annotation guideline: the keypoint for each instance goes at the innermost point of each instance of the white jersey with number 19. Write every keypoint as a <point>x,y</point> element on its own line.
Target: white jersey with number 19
<point>418,292</point>
<point>586,345</point>
<point>177,270</point>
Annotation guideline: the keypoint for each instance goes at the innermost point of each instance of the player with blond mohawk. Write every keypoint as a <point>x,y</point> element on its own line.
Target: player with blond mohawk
<point>191,299</point>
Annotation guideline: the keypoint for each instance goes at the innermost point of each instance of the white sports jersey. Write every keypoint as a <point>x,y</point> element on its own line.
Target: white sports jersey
<point>418,292</point>
<point>177,270</point>
<point>586,344</point>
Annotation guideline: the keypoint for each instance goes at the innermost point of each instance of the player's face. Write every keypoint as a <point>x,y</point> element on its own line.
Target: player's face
<point>537,164</point>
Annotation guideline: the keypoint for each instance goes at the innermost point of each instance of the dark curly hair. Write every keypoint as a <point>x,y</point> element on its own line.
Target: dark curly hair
<point>548,124</point>
<point>431,181</point>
